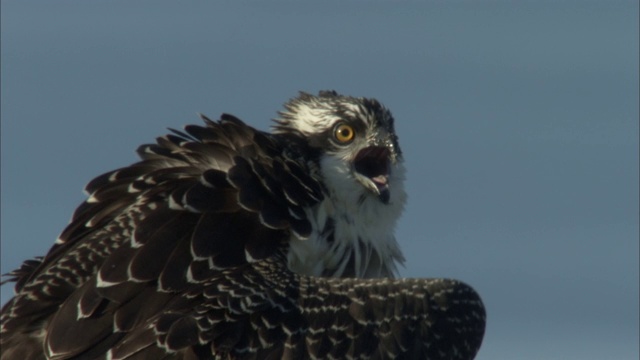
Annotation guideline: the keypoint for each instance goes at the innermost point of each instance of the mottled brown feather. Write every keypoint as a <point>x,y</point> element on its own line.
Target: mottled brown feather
<point>183,256</point>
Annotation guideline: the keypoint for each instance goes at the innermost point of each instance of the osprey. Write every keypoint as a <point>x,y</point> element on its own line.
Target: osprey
<point>225,242</point>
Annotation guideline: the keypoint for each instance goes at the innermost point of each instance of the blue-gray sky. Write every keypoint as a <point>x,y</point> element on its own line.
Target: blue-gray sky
<point>518,120</point>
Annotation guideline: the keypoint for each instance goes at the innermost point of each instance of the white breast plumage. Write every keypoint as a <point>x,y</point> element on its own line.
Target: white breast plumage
<point>353,231</point>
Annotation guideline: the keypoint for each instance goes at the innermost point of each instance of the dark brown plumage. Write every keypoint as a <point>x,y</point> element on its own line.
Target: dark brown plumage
<point>183,255</point>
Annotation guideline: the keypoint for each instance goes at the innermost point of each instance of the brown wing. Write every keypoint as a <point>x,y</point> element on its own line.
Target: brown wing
<point>182,256</point>
<point>199,201</point>
<point>263,311</point>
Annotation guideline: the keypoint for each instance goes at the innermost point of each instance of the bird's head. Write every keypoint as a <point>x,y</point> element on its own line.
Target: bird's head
<point>355,143</point>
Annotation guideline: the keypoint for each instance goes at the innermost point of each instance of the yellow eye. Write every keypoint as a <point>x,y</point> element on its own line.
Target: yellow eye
<point>344,133</point>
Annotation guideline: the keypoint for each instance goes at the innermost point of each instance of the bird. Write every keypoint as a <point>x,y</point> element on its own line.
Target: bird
<point>228,242</point>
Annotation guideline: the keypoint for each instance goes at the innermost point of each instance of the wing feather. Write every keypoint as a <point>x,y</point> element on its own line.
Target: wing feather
<point>162,223</point>
<point>183,256</point>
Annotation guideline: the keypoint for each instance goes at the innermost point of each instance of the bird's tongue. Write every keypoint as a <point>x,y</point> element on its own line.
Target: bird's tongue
<point>373,162</point>
<point>380,180</point>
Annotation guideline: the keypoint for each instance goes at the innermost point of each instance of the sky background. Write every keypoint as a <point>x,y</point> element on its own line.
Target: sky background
<point>518,121</point>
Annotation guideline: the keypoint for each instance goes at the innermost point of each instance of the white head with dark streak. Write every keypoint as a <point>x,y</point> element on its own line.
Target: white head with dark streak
<point>361,166</point>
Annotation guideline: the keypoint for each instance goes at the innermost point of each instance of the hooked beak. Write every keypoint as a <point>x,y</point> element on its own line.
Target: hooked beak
<point>372,167</point>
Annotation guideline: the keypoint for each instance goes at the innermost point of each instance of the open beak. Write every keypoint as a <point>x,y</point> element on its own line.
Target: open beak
<point>372,165</point>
